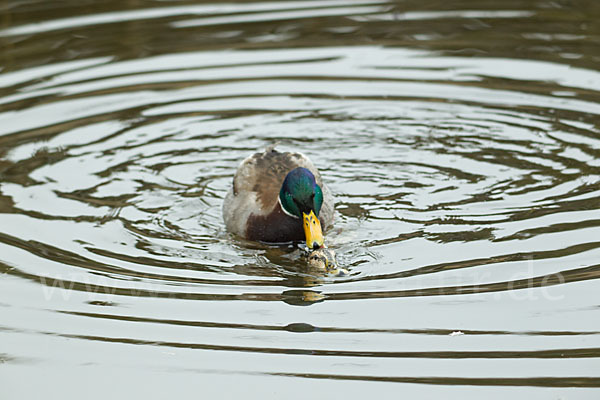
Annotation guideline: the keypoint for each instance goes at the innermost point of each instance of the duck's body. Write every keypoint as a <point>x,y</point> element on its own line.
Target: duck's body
<point>256,207</point>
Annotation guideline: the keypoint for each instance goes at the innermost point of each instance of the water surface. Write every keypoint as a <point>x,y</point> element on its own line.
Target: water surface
<point>462,144</point>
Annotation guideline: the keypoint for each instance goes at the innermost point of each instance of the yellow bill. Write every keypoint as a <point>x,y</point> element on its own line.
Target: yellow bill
<point>312,230</point>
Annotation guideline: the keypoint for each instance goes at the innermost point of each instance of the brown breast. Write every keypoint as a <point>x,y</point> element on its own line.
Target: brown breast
<point>275,227</point>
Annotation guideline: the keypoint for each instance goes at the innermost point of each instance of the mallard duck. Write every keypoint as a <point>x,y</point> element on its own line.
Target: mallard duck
<point>278,197</point>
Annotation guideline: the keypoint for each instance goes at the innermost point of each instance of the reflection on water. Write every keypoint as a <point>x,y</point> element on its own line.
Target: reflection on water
<point>461,141</point>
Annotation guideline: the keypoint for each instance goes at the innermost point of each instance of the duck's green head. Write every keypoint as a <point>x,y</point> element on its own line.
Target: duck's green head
<point>301,197</point>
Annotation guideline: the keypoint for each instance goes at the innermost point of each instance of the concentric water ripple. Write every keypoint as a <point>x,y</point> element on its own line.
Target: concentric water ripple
<point>467,189</point>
